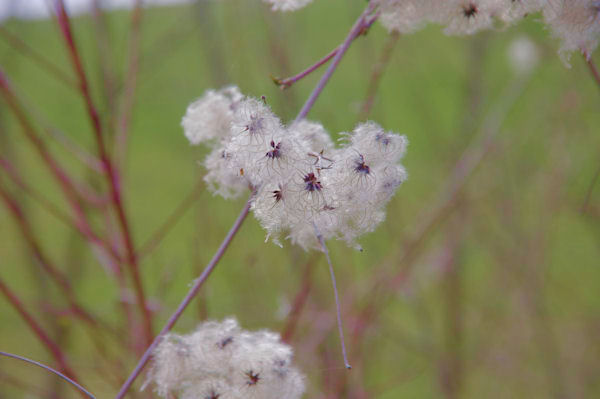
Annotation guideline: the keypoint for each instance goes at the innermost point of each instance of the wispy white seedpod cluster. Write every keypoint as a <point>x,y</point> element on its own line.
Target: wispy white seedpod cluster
<point>575,22</point>
<point>522,55</point>
<point>220,360</point>
<point>304,186</point>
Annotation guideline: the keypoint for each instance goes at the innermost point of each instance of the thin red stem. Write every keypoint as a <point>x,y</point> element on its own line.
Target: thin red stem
<point>110,172</point>
<point>63,179</point>
<point>188,298</point>
<point>285,83</point>
<point>37,329</point>
<point>55,273</point>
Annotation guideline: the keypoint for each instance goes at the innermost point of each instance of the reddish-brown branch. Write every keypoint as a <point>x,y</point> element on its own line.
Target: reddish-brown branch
<point>110,172</point>
<point>55,273</point>
<point>64,180</point>
<point>37,329</point>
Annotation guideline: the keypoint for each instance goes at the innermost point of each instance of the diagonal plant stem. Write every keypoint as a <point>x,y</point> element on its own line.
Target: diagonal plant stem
<point>54,272</point>
<point>37,329</point>
<point>356,30</point>
<point>188,298</point>
<point>288,82</point>
<point>50,369</point>
<point>86,232</point>
<point>109,169</point>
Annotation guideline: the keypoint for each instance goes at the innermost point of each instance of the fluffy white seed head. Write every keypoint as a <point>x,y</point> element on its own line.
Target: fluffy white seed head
<point>220,360</point>
<point>303,185</point>
<point>210,117</point>
<point>405,16</point>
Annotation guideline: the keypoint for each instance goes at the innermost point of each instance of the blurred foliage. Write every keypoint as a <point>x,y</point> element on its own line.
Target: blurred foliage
<point>501,296</point>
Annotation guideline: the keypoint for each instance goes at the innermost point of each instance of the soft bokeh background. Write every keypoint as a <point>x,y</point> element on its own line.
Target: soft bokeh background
<point>493,241</point>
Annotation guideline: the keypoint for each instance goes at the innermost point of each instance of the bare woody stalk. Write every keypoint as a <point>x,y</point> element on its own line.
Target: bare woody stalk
<point>110,172</point>
<point>354,32</point>
<point>51,370</point>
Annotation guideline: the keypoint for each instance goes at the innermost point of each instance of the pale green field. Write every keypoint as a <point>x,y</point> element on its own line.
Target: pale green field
<point>513,314</point>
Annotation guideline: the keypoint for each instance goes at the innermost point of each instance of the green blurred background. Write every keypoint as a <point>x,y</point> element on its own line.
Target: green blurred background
<point>500,267</point>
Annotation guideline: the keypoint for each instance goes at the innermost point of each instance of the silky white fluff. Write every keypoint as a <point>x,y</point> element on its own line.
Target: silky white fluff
<point>220,360</point>
<point>304,186</point>
<point>209,117</point>
<point>576,23</point>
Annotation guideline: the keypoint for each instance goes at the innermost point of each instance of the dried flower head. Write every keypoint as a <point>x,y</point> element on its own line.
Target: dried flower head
<point>220,360</point>
<point>302,182</point>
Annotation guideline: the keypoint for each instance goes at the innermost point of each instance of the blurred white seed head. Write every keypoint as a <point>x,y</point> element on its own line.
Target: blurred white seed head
<point>302,182</point>
<point>575,22</point>
<point>220,360</point>
<point>523,55</point>
<point>287,5</point>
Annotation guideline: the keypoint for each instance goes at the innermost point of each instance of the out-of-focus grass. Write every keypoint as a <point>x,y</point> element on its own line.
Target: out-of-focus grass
<point>525,258</point>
